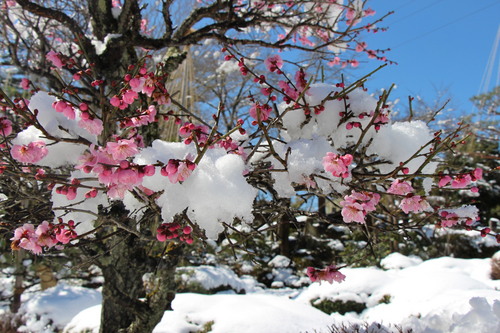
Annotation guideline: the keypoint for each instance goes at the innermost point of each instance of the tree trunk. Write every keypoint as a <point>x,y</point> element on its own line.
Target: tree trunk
<point>138,287</point>
<point>284,229</point>
<point>19,272</point>
<point>139,284</point>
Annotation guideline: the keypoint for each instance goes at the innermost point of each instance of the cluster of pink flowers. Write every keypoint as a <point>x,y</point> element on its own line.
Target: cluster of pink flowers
<point>145,117</point>
<point>330,273</point>
<point>414,203</point>
<point>274,63</point>
<point>45,235</point>
<point>30,153</point>
<point>55,59</point>
<point>190,132</point>
<point>65,108</point>
<point>411,202</point>
<point>463,180</point>
<point>25,84</point>
<point>381,119</point>
<point>357,205</point>
<point>178,170</point>
<point>5,126</point>
<point>449,218</point>
<point>112,168</point>
<point>90,123</point>
<point>260,112</point>
<point>173,230</point>
<point>144,82</point>
<point>337,165</point>
<point>400,187</point>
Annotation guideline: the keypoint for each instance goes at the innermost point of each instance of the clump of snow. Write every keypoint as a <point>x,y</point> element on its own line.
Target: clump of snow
<point>215,192</point>
<point>438,287</point>
<point>280,262</point>
<point>58,304</point>
<point>435,296</point>
<point>60,153</point>
<point>399,141</point>
<point>99,46</point>
<point>397,260</point>
<point>87,320</point>
<point>250,313</point>
<point>211,278</point>
<point>308,139</point>
<point>482,317</point>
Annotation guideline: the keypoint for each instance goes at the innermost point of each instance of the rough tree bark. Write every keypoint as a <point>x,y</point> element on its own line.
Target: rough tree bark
<point>139,284</point>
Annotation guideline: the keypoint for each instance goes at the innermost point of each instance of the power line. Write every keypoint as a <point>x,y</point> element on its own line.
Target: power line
<point>433,3</point>
<point>447,24</point>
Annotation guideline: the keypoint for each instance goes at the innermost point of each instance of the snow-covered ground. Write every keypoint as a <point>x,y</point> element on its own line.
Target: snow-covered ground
<point>438,295</point>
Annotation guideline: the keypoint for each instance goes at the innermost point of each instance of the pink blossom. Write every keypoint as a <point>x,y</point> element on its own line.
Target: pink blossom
<point>381,119</point>
<point>357,205</point>
<point>144,27</point>
<point>260,112</point>
<point>369,12</point>
<point>65,232</point>
<point>360,46</point>
<point>117,102</point>
<point>445,180</point>
<point>274,63</point>
<point>45,236</point>
<point>55,59</point>
<point>337,165</point>
<point>71,193</point>
<point>122,149</point>
<point>136,84</point>
<point>308,182</point>
<point>330,273</point>
<point>354,63</point>
<point>8,3</point>
<point>127,176</point>
<point>177,170</point>
<point>400,187</point>
<point>5,126</point>
<point>300,80</point>
<point>352,212</point>
<point>290,92</point>
<point>25,238</point>
<point>466,214</point>
<point>149,86</point>
<point>25,84</point>
<point>414,204</point>
<point>64,108</point>
<point>31,153</point>
<point>172,230</point>
<point>477,174</point>
<point>93,126</point>
<point>335,61</point>
<point>461,181</point>
<point>129,96</point>
<point>117,191</point>
<point>448,219</point>
<point>367,199</point>
<point>191,131</point>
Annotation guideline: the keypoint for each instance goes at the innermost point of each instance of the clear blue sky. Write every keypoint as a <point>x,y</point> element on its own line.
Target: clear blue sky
<point>438,44</point>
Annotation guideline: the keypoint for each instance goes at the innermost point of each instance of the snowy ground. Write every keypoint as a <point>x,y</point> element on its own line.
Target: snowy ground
<point>438,295</point>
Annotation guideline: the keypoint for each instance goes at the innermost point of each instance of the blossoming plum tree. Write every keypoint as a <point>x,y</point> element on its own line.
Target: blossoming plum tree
<point>116,193</point>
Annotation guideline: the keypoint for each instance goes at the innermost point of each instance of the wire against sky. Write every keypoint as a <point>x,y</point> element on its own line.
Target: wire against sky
<point>447,24</point>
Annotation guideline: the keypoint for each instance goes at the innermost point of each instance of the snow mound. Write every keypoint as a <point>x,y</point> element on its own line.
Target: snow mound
<point>58,304</point>
<point>397,260</point>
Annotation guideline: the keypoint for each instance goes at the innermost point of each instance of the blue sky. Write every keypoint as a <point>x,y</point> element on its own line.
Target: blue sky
<point>438,44</point>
